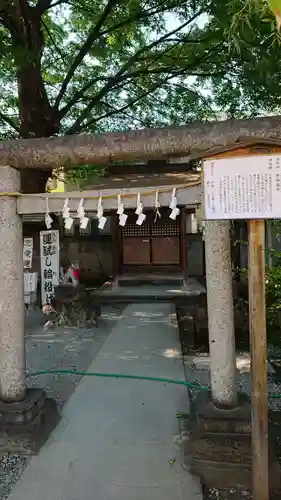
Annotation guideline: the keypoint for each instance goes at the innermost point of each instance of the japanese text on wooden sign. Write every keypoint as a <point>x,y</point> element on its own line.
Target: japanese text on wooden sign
<point>27,253</point>
<point>50,264</point>
<point>243,188</point>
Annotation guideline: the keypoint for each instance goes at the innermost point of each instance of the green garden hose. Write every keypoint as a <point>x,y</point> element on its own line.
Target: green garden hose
<point>117,375</point>
<point>190,385</point>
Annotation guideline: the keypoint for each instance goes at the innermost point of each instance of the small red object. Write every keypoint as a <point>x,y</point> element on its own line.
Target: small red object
<point>75,274</point>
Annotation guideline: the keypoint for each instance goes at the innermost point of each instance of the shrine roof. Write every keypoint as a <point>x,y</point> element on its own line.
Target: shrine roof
<point>141,180</point>
<point>250,145</point>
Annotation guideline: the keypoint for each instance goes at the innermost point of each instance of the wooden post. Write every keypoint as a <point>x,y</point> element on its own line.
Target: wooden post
<point>257,321</point>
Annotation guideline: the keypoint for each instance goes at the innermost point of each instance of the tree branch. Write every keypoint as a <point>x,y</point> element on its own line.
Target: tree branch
<point>9,122</point>
<point>58,2</point>
<point>118,79</point>
<point>53,41</point>
<point>199,96</point>
<point>116,82</point>
<point>93,35</point>
<point>115,111</point>
<point>120,74</point>
<point>141,15</point>
<point>43,5</point>
<point>131,103</point>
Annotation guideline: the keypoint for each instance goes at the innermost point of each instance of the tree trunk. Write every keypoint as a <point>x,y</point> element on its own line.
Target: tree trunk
<point>36,115</point>
<point>192,141</point>
<point>35,181</point>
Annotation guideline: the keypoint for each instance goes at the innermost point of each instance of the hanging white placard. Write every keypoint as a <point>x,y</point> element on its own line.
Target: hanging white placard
<point>50,264</point>
<point>84,222</point>
<point>174,213</point>
<point>101,222</point>
<point>68,223</point>
<point>101,219</point>
<point>123,219</point>
<point>48,221</point>
<point>173,206</point>
<point>141,218</point>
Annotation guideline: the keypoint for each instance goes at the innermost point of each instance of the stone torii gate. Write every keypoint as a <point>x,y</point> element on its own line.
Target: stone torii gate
<point>12,205</point>
<point>102,149</point>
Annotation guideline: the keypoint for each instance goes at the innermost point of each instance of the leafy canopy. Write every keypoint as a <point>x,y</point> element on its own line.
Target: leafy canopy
<point>79,66</point>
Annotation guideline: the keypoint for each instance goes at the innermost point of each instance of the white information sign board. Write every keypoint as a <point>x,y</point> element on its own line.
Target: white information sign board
<point>50,264</point>
<point>243,188</point>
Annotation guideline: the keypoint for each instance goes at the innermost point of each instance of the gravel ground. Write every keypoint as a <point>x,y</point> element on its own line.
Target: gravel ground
<point>62,348</point>
<point>202,376</point>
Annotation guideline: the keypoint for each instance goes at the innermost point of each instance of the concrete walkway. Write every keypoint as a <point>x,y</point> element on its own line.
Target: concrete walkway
<point>116,440</point>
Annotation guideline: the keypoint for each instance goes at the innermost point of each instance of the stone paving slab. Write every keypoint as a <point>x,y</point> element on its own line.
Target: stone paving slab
<point>116,439</point>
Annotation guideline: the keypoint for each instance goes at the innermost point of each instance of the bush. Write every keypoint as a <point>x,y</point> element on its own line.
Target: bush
<point>273,296</point>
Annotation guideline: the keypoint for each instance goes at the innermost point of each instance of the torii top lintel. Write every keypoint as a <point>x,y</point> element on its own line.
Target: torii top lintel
<point>196,140</point>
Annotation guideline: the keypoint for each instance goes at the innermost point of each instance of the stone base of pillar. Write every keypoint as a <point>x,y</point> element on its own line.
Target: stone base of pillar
<point>216,446</point>
<point>25,425</point>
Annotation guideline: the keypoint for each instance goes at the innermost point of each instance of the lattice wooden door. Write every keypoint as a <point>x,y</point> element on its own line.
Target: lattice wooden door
<point>153,243</point>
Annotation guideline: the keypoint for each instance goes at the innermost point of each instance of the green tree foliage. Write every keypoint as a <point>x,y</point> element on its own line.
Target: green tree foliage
<point>79,66</point>
<point>260,7</point>
<point>252,64</point>
<point>72,66</point>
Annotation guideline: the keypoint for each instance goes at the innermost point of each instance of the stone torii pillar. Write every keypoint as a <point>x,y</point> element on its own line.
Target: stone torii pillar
<point>21,409</point>
<point>220,313</point>
<point>12,352</point>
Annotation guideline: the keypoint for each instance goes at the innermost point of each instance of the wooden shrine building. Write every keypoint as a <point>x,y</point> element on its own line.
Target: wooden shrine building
<point>160,245</point>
